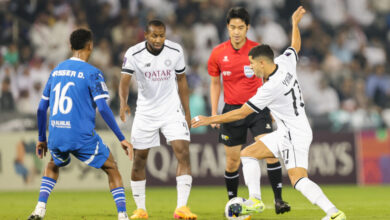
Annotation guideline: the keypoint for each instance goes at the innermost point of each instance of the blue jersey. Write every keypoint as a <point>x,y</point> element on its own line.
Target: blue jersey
<point>72,89</point>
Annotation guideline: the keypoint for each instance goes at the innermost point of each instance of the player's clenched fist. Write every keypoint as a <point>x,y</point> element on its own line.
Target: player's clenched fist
<point>122,112</point>
<point>41,149</point>
<point>200,120</point>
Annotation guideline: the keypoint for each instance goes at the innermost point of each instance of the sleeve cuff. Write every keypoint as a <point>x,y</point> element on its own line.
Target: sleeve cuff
<point>253,107</point>
<point>105,96</point>
<point>295,53</point>
<point>180,71</point>
<point>128,71</point>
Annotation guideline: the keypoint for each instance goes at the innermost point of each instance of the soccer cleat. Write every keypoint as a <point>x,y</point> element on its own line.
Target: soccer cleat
<point>139,214</point>
<point>281,207</point>
<point>122,216</point>
<point>184,213</point>
<point>39,213</point>
<point>252,205</point>
<point>336,216</point>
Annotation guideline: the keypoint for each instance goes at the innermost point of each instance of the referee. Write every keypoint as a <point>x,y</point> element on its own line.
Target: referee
<point>230,59</point>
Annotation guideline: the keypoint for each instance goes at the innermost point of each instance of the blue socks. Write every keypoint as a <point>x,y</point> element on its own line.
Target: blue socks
<point>119,198</point>
<point>47,186</point>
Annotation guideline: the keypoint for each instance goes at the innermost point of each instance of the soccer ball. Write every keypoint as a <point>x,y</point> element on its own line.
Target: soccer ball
<point>233,209</point>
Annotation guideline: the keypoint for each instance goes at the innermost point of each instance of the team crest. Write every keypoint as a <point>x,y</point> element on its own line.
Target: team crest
<point>168,62</point>
<point>225,59</point>
<point>248,71</point>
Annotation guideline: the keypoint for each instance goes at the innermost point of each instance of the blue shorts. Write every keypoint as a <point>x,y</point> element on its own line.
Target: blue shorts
<point>94,155</point>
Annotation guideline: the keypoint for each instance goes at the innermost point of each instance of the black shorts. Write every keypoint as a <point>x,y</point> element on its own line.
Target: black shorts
<point>235,133</point>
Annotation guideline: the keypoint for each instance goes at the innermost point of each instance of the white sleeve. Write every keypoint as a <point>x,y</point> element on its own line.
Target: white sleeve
<point>264,96</point>
<point>181,64</point>
<point>289,56</point>
<point>128,66</point>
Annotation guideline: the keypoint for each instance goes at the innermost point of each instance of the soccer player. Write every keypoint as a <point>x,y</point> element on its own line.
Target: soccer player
<point>73,91</point>
<point>291,141</point>
<point>230,59</point>
<point>159,68</point>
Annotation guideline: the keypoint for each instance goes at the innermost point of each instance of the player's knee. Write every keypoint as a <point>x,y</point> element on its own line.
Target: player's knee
<point>232,164</point>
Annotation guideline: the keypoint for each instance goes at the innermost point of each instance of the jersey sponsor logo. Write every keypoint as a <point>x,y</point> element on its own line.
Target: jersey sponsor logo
<point>60,124</point>
<point>248,71</point>
<point>226,73</point>
<point>225,59</point>
<point>167,62</point>
<point>158,75</point>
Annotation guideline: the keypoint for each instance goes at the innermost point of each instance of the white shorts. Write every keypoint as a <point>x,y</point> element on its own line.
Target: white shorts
<point>145,131</point>
<point>292,149</point>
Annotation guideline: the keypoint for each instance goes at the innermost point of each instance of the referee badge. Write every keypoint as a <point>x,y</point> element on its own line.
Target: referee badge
<point>248,71</point>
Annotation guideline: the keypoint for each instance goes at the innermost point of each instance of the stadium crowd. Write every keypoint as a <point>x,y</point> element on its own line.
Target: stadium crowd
<point>343,68</point>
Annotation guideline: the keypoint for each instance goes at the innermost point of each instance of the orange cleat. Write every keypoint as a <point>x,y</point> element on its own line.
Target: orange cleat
<point>139,214</point>
<point>184,213</point>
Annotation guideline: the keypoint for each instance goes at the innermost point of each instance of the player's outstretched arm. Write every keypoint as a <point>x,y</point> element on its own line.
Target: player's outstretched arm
<point>124,86</point>
<point>296,35</point>
<point>234,115</point>
<point>41,147</point>
<point>184,96</point>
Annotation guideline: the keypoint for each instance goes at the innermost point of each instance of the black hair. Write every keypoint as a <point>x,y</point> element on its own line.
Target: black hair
<point>262,50</point>
<point>238,12</point>
<point>79,38</point>
<point>156,23</point>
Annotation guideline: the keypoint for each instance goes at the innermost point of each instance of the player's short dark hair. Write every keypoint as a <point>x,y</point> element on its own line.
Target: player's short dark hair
<point>261,50</point>
<point>238,12</point>
<point>156,23</point>
<point>79,38</point>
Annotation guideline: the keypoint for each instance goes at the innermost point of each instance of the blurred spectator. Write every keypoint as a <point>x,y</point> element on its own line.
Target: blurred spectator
<point>378,87</point>
<point>11,56</point>
<point>7,103</point>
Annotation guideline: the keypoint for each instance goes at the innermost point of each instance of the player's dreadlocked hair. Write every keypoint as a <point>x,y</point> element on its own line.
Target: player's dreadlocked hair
<point>79,38</point>
<point>238,12</point>
<point>262,50</point>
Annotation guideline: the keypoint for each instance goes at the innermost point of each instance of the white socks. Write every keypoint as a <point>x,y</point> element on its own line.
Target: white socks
<point>251,169</point>
<point>138,189</point>
<point>315,195</point>
<point>184,183</point>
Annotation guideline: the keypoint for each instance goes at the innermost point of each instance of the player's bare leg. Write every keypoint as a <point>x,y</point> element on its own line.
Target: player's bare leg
<point>116,186</point>
<point>274,170</point>
<point>111,169</point>
<point>183,178</point>
<point>138,183</point>
<point>49,180</point>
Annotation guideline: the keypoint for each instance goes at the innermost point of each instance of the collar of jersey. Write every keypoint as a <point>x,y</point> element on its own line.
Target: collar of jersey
<point>276,69</point>
<point>241,49</point>
<point>151,52</point>
<point>77,59</point>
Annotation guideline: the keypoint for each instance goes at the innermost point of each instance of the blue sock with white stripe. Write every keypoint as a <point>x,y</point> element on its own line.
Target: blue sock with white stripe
<point>119,198</point>
<point>47,186</point>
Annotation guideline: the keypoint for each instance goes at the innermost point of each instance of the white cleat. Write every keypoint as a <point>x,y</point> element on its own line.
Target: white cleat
<point>122,216</point>
<point>38,213</point>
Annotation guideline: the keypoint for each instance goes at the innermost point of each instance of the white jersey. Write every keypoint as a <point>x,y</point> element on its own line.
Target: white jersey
<point>282,95</point>
<point>156,78</point>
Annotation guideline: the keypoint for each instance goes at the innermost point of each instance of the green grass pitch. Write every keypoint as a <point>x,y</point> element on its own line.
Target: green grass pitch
<point>207,202</point>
